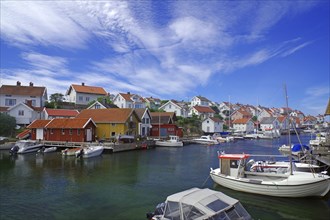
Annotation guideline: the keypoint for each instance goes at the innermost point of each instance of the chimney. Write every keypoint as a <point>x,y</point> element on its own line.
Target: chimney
<point>28,103</point>
<point>31,83</point>
<point>83,84</point>
<point>128,93</point>
<point>18,83</point>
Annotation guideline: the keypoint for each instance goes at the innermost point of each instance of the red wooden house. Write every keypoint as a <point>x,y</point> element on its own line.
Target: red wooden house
<point>163,124</point>
<point>64,129</point>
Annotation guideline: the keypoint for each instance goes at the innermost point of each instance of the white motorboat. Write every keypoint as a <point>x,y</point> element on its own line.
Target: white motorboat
<point>234,173</point>
<point>70,151</point>
<point>173,141</point>
<point>90,151</point>
<point>296,149</point>
<point>319,140</point>
<point>47,149</point>
<point>205,139</point>
<point>198,203</point>
<point>25,146</point>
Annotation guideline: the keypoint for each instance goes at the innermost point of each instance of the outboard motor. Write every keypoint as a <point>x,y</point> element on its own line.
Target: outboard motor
<point>80,153</point>
<point>14,150</point>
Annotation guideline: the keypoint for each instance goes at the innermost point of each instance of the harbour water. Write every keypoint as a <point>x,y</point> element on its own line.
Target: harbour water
<point>127,185</point>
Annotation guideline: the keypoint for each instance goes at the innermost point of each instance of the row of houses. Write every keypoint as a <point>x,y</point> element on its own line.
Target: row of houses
<point>26,104</point>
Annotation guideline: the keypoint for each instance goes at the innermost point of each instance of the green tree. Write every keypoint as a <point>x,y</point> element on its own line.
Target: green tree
<point>8,124</point>
<point>56,100</point>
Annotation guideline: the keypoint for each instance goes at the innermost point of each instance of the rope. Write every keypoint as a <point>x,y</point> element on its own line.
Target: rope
<point>206,180</point>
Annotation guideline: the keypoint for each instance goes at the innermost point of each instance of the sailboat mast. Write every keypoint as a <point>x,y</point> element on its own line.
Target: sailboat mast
<point>288,115</point>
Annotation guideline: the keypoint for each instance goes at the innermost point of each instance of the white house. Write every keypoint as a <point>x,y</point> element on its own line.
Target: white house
<point>201,101</point>
<point>152,102</point>
<point>269,123</point>
<point>212,125</point>
<point>11,95</point>
<point>128,100</point>
<point>82,94</point>
<point>243,125</point>
<point>202,111</point>
<point>24,113</point>
<point>180,109</point>
<point>145,124</point>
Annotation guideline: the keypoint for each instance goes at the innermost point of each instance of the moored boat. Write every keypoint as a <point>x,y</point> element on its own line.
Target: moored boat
<point>234,173</point>
<point>205,139</point>
<point>47,149</point>
<point>25,146</point>
<point>198,203</point>
<point>90,151</point>
<point>70,151</point>
<point>173,141</point>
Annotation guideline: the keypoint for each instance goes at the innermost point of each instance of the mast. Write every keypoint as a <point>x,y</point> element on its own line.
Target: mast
<point>289,137</point>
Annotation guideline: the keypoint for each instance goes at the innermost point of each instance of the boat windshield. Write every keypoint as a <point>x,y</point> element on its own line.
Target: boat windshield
<point>236,212</point>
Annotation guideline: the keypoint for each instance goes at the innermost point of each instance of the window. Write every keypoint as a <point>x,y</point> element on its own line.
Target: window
<point>147,121</point>
<point>21,112</point>
<point>113,134</point>
<point>169,106</point>
<point>78,132</point>
<point>10,102</point>
<point>63,131</point>
<point>70,131</point>
<point>51,131</point>
<point>80,98</point>
<point>87,99</point>
<point>113,124</point>
<point>97,106</point>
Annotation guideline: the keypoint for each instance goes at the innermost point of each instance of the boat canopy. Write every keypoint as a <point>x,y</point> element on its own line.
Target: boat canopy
<point>298,147</point>
<point>233,156</point>
<point>197,203</point>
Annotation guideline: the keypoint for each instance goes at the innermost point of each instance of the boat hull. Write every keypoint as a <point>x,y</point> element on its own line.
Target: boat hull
<point>301,185</point>
<point>168,144</point>
<point>91,152</point>
<point>29,149</point>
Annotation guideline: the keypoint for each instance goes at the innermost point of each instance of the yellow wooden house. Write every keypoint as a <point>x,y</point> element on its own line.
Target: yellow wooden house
<point>112,122</point>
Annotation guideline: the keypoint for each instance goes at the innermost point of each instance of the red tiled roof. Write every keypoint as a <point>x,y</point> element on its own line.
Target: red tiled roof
<point>24,134</point>
<point>215,119</point>
<point>62,112</point>
<point>110,115</point>
<point>89,89</point>
<point>22,90</point>
<point>68,123</point>
<point>241,121</point>
<point>204,109</point>
<point>38,123</point>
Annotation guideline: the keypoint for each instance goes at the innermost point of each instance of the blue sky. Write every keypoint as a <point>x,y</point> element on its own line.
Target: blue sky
<point>238,51</point>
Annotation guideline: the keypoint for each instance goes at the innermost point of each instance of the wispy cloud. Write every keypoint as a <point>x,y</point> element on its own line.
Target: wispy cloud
<point>193,42</point>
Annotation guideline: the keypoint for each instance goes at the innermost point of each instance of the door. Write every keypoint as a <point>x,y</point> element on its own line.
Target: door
<point>40,134</point>
<point>89,134</point>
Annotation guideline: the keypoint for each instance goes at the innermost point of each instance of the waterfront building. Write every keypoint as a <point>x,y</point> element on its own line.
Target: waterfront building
<point>113,121</point>
<point>243,125</point>
<point>163,124</point>
<point>212,125</point>
<point>64,129</point>
<point>144,126</point>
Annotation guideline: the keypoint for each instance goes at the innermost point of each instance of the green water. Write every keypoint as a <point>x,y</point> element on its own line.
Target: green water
<point>129,184</point>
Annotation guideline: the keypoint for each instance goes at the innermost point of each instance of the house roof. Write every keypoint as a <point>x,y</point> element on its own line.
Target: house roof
<point>38,123</point>
<point>88,89</point>
<point>140,112</point>
<point>203,98</point>
<point>214,119</point>
<point>26,105</point>
<point>241,121</point>
<point>128,97</point>
<point>162,117</point>
<point>24,134</point>
<point>267,120</point>
<point>204,109</point>
<point>110,115</point>
<point>281,118</point>
<point>62,112</point>
<point>22,90</point>
<point>69,123</point>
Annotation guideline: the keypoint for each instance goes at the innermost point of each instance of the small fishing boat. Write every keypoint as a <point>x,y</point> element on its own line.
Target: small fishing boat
<point>234,172</point>
<point>198,203</point>
<point>205,139</point>
<point>70,151</point>
<point>296,149</point>
<point>25,146</point>
<point>173,141</point>
<point>90,151</point>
